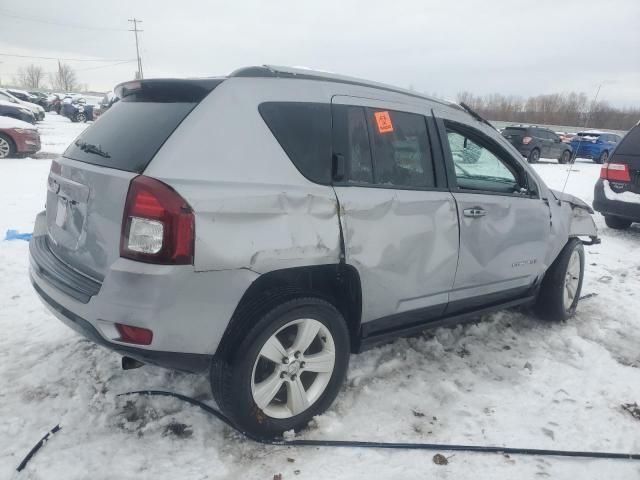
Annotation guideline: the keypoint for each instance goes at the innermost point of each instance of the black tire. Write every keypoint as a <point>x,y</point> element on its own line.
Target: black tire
<point>550,304</point>
<point>604,156</point>
<point>534,156</point>
<point>7,146</point>
<point>617,222</point>
<point>565,157</point>
<point>231,377</point>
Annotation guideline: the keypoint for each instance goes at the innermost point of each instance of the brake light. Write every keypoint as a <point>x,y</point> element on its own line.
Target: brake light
<point>526,140</point>
<point>137,335</point>
<point>617,172</point>
<point>158,225</point>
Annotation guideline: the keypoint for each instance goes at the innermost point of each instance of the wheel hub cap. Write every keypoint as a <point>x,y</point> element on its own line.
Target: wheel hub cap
<point>293,368</point>
<point>571,280</point>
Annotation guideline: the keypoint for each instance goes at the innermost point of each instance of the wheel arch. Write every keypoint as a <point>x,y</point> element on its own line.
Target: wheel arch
<point>339,284</point>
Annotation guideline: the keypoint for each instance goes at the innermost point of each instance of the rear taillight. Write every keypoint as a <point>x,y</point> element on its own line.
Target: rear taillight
<point>526,140</point>
<point>158,224</point>
<point>616,172</point>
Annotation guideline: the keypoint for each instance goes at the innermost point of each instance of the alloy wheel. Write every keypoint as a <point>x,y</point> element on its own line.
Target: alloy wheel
<point>5,148</point>
<point>293,368</point>
<point>571,280</point>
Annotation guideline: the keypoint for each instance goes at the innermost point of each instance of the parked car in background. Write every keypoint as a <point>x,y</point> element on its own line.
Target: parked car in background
<point>617,191</point>
<point>17,138</point>
<point>594,144</point>
<point>23,95</point>
<point>565,137</point>
<point>17,111</point>
<point>153,240</point>
<point>76,110</point>
<point>37,110</point>
<point>535,142</point>
<point>42,99</point>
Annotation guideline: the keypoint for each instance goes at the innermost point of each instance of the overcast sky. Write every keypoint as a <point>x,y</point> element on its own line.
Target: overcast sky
<point>442,47</point>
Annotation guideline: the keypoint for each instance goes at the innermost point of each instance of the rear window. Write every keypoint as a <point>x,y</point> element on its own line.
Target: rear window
<point>588,134</point>
<point>630,144</point>
<point>303,130</point>
<point>129,134</point>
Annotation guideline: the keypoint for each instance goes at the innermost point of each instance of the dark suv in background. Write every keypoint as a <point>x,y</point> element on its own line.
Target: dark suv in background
<point>617,191</point>
<point>535,142</point>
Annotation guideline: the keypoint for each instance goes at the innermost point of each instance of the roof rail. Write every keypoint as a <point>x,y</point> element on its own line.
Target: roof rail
<point>273,71</point>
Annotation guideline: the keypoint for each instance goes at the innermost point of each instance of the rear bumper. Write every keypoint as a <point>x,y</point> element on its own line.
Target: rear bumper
<point>618,208</point>
<point>187,311</point>
<point>187,362</point>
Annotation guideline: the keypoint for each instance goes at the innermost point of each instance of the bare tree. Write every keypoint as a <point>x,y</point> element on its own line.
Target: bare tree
<point>64,78</point>
<point>31,76</point>
<point>555,109</point>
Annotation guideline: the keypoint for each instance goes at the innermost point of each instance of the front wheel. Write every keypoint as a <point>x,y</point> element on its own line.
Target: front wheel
<point>7,147</point>
<point>562,284</point>
<point>288,368</point>
<point>80,117</point>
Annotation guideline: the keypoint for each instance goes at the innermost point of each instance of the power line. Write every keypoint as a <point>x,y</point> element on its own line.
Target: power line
<point>68,59</point>
<point>135,22</point>
<point>8,13</point>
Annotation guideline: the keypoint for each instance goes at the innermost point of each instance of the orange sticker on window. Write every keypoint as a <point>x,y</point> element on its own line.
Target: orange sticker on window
<point>384,122</point>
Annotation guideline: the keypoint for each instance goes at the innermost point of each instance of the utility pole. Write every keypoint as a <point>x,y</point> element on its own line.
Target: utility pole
<point>135,30</point>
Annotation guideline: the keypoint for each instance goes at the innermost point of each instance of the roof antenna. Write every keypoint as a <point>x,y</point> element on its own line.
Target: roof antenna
<point>586,124</point>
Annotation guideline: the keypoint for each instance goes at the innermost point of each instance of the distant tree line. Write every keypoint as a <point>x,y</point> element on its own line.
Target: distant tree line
<point>33,77</point>
<point>572,109</point>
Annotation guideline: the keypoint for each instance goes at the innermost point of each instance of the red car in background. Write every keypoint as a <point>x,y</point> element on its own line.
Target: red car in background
<point>17,138</point>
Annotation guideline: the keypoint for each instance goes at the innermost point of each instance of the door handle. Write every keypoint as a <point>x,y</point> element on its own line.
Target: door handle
<point>474,212</point>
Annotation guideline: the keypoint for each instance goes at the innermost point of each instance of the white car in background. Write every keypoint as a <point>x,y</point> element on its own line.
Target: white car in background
<point>37,110</point>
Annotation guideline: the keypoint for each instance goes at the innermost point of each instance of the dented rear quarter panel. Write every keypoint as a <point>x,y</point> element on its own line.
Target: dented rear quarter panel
<point>253,208</point>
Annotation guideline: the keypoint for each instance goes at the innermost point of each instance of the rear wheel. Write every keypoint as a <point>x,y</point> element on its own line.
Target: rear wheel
<point>80,117</point>
<point>604,156</point>
<point>7,147</point>
<point>288,368</point>
<point>534,156</point>
<point>565,157</point>
<point>617,222</point>
<point>561,286</point>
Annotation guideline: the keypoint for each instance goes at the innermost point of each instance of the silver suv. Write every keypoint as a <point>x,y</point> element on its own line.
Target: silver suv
<point>261,227</point>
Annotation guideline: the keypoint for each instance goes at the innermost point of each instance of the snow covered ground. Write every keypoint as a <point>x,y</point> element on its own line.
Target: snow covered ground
<point>509,380</point>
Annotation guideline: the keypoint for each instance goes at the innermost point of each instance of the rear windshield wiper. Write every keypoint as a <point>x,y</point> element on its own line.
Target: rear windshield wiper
<point>91,148</point>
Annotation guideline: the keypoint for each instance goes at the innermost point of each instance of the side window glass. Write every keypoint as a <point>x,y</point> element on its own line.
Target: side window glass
<point>477,167</point>
<point>351,140</point>
<point>401,151</point>
<point>303,130</point>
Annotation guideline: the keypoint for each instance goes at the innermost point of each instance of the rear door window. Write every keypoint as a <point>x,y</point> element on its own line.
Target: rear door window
<point>303,130</point>
<point>401,149</point>
<point>351,140</point>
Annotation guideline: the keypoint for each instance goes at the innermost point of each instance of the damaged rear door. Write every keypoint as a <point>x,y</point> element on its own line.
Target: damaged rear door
<point>400,227</point>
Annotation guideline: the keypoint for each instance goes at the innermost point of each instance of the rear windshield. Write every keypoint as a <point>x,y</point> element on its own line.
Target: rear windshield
<point>630,144</point>
<point>129,134</point>
<point>589,134</point>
